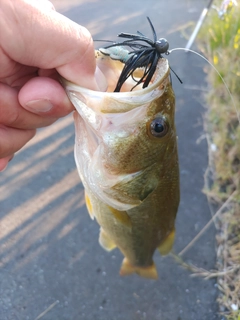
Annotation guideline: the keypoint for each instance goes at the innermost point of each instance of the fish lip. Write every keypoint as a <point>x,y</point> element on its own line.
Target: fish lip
<point>163,74</point>
<point>74,87</point>
<point>117,102</point>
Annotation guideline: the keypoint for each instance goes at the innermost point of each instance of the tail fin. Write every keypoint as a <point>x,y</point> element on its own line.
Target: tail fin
<point>149,272</point>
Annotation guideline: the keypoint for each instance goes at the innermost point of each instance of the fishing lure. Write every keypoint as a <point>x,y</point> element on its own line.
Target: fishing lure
<point>146,54</point>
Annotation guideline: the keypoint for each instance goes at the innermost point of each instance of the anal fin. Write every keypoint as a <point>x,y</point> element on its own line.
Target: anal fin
<point>167,244</point>
<point>149,272</point>
<point>105,241</point>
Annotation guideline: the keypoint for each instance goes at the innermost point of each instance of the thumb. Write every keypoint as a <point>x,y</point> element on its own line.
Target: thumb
<point>48,40</point>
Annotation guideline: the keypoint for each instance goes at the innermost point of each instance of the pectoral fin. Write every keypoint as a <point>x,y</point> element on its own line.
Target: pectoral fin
<point>146,272</point>
<point>105,241</point>
<point>167,244</point>
<point>122,217</point>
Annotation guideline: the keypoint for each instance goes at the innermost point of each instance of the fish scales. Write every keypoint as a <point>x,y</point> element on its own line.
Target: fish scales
<point>126,154</point>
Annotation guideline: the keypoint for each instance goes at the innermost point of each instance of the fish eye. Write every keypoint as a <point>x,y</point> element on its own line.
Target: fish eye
<point>159,127</point>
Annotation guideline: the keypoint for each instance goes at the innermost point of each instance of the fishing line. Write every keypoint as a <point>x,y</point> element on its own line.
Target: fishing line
<point>201,56</point>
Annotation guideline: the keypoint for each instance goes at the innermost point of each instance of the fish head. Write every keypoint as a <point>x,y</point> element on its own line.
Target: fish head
<point>124,140</point>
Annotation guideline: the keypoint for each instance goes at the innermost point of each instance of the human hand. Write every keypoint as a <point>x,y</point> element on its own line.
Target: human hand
<point>37,44</point>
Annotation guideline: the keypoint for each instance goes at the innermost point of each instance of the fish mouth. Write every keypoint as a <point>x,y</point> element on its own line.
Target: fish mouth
<point>117,102</point>
<point>101,119</point>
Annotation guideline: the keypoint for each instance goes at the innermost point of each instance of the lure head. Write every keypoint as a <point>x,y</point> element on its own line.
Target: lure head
<point>162,45</point>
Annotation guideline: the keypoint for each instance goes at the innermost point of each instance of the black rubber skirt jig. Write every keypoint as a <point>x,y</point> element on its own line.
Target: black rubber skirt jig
<point>145,54</point>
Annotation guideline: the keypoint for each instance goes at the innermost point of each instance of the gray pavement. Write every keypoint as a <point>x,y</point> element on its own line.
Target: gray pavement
<point>51,265</point>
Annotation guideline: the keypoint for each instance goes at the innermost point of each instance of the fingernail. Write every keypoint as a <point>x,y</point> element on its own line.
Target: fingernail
<point>100,80</point>
<point>42,105</point>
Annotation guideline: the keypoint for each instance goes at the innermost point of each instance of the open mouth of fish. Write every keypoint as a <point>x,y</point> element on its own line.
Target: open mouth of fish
<point>104,122</point>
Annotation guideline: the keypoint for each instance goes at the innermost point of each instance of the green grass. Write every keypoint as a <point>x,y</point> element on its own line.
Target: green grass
<point>234,316</point>
<point>220,42</point>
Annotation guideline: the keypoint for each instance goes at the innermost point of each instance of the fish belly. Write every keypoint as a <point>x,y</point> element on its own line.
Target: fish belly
<point>138,232</point>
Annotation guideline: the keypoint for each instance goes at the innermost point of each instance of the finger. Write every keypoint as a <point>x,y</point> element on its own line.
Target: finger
<point>13,140</point>
<point>12,114</point>
<point>46,97</point>
<point>4,162</point>
<point>69,46</point>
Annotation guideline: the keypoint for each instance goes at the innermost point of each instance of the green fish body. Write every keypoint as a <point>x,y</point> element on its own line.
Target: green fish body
<point>126,154</point>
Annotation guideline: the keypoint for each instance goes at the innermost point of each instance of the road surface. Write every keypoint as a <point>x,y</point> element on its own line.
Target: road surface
<point>51,265</point>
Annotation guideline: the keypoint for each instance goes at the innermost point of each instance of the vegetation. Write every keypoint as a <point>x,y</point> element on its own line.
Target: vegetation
<point>219,40</point>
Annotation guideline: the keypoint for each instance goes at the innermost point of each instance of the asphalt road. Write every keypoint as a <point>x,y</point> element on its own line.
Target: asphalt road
<point>51,265</point>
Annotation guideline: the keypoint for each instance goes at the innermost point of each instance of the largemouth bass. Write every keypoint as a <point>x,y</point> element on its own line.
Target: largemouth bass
<point>126,155</point>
